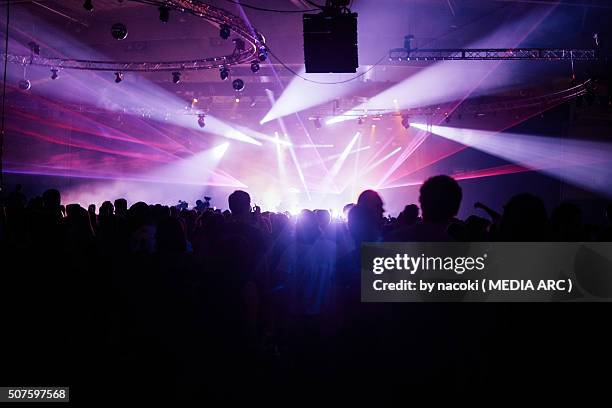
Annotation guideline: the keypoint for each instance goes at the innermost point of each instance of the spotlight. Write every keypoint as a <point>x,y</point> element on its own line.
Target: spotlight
<point>164,14</point>
<point>54,73</point>
<point>24,85</point>
<point>237,99</point>
<point>262,54</point>
<point>224,31</point>
<point>201,120</point>
<point>176,77</point>
<point>119,31</point>
<point>254,66</point>
<point>118,77</point>
<point>238,84</point>
<point>88,5</point>
<point>405,121</point>
<point>317,123</point>
<point>224,73</point>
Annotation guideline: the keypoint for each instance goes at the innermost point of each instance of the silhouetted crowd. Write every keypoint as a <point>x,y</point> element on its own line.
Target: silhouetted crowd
<point>155,303</point>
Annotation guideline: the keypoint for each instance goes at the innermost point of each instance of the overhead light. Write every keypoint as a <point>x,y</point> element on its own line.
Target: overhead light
<point>254,66</point>
<point>237,99</point>
<point>118,77</point>
<point>223,73</point>
<point>54,73</point>
<point>24,85</point>
<point>176,77</point>
<point>224,31</point>
<point>201,120</point>
<point>88,5</point>
<point>164,14</point>
<point>262,55</point>
<point>238,84</point>
<point>119,31</point>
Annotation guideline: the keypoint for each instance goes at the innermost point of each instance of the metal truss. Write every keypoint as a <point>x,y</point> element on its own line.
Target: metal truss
<point>494,54</point>
<point>253,45</point>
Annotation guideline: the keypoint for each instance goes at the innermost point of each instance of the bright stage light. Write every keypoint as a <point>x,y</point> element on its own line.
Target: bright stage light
<point>300,95</point>
<point>587,164</point>
<point>219,151</point>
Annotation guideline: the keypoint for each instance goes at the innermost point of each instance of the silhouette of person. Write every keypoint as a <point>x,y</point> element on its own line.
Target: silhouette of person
<point>440,199</point>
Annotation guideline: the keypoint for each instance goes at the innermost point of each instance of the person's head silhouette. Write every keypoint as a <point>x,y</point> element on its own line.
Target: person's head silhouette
<point>52,199</point>
<point>409,216</point>
<point>440,198</point>
<point>371,201</point>
<point>121,207</point>
<point>239,203</point>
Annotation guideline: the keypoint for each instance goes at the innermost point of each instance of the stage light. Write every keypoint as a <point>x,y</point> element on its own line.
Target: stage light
<point>201,120</point>
<point>262,54</point>
<point>224,31</point>
<point>405,121</point>
<point>220,150</point>
<point>254,66</point>
<point>223,73</point>
<point>119,31</point>
<point>118,77</point>
<point>24,85</point>
<point>164,14</point>
<point>237,99</point>
<point>238,84</point>
<point>176,77</point>
<point>88,5</point>
<point>54,73</point>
